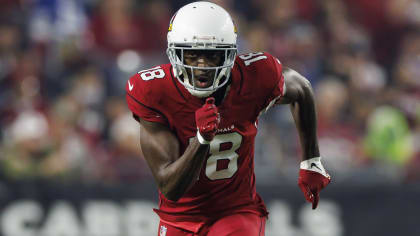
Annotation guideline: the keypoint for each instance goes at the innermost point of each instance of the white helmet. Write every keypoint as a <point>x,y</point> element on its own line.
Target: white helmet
<point>201,26</point>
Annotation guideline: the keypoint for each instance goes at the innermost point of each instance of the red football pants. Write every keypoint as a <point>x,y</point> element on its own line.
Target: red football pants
<point>241,224</point>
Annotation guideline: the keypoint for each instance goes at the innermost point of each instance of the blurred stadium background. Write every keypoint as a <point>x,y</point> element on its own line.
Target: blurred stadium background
<point>70,162</point>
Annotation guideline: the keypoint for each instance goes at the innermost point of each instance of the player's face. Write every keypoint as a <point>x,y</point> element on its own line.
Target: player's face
<point>202,58</point>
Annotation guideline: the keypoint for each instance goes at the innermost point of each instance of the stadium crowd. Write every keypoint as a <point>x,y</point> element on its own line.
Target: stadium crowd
<point>64,65</point>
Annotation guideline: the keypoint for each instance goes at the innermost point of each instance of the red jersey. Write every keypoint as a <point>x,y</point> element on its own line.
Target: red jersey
<point>226,182</point>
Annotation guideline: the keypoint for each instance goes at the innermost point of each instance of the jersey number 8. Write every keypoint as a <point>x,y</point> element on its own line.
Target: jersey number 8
<point>223,152</point>
<point>156,72</point>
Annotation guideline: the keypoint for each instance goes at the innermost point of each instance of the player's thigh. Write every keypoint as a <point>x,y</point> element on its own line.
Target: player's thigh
<point>167,230</point>
<point>243,224</point>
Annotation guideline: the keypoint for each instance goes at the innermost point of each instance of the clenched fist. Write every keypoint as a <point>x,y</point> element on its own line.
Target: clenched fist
<point>207,119</point>
<point>312,178</point>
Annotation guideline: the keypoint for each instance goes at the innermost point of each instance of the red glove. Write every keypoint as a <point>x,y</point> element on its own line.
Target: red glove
<point>207,119</point>
<point>312,178</point>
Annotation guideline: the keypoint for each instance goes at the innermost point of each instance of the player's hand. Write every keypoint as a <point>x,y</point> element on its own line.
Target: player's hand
<point>207,119</point>
<point>312,178</point>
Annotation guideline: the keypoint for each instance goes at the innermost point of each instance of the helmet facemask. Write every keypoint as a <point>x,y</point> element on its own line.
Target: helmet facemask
<point>221,73</point>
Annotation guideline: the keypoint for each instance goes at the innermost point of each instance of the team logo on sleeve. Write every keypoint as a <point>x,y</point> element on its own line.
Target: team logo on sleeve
<point>130,86</point>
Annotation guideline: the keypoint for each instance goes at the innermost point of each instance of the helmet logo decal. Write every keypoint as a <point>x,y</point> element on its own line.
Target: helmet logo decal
<point>171,22</point>
<point>235,30</point>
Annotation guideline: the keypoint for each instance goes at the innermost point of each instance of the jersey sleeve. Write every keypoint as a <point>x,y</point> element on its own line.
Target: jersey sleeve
<point>274,72</point>
<point>141,97</point>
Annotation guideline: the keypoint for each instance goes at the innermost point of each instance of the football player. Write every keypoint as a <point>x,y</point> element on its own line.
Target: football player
<point>198,117</point>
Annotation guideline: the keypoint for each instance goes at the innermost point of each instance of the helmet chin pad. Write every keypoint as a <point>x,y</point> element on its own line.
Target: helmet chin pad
<point>200,94</point>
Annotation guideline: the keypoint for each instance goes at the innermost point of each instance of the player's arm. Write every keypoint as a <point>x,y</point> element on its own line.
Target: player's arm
<point>172,172</point>
<point>299,94</point>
